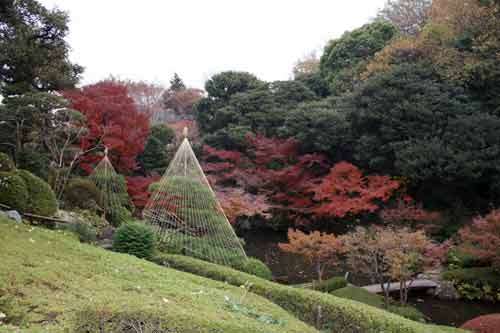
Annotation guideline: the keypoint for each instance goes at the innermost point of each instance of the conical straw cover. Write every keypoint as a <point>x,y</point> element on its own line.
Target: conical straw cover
<point>185,211</point>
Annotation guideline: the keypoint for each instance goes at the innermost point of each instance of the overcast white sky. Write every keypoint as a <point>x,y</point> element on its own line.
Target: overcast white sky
<point>151,39</point>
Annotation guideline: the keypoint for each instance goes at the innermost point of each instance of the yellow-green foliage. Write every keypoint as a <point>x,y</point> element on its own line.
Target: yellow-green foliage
<point>13,191</point>
<point>481,283</point>
<point>42,200</point>
<point>49,282</point>
<point>6,163</point>
<point>342,315</point>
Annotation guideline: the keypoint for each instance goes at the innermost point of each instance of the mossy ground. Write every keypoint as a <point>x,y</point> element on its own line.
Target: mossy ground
<point>47,278</point>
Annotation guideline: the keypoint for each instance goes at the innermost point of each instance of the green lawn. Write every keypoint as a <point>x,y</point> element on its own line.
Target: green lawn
<point>366,297</point>
<point>49,282</point>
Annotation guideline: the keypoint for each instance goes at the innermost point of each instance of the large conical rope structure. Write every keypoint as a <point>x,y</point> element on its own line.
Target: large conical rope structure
<point>111,188</point>
<point>184,210</point>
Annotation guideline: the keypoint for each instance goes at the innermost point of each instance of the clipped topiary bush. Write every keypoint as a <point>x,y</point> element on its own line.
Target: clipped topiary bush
<point>86,233</point>
<point>35,162</point>
<point>135,238</point>
<point>82,193</point>
<point>255,267</point>
<point>13,191</point>
<point>331,284</point>
<point>484,324</point>
<point>42,200</point>
<point>118,215</point>
<point>6,163</point>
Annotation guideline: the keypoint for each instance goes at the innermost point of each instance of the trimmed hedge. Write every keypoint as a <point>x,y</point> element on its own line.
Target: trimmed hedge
<point>6,163</point>
<point>331,284</point>
<point>366,297</point>
<point>255,267</point>
<point>13,191</point>
<point>482,283</point>
<point>42,200</point>
<point>313,307</point>
<point>135,238</point>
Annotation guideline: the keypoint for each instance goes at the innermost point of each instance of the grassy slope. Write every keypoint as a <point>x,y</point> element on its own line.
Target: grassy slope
<point>47,278</point>
<point>345,315</point>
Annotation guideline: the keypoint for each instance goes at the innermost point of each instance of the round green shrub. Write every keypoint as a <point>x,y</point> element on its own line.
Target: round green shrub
<point>331,284</point>
<point>42,200</point>
<point>13,191</point>
<point>86,233</point>
<point>118,216</point>
<point>82,193</point>
<point>6,163</point>
<point>135,238</point>
<point>255,267</point>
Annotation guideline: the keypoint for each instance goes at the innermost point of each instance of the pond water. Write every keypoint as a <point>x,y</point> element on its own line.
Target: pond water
<point>451,313</point>
<point>293,269</point>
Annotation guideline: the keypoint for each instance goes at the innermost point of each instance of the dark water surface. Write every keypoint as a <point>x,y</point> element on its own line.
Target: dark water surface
<point>293,269</point>
<point>452,313</point>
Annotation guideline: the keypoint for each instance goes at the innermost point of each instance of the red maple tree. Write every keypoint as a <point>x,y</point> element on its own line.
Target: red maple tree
<point>345,190</point>
<point>482,238</point>
<point>301,184</point>
<point>137,188</point>
<point>112,121</point>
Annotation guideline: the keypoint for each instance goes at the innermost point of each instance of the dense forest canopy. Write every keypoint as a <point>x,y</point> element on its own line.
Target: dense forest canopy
<point>405,106</point>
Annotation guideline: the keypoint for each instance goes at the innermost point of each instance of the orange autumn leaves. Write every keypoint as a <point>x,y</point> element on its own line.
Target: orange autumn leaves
<point>321,249</point>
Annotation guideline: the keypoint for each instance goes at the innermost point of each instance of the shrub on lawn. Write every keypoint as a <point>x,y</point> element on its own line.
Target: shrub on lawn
<point>86,233</point>
<point>13,191</point>
<point>135,238</point>
<point>331,284</point>
<point>313,307</point>
<point>6,163</point>
<point>483,324</point>
<point>82,193</point>
<point>118,215</point>
<point>482,283</point>
<point>42,200</point>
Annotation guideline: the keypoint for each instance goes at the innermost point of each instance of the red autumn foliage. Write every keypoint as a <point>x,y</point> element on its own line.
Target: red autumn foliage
<point>484,324</point>
<point>346,191</point>
<point>298,183</point>
<point>182,101</point>
<point>482,238</point>
<point>236,203</point>
<point>138,189</point>
<point>112,121</point>
<point>407,209</point>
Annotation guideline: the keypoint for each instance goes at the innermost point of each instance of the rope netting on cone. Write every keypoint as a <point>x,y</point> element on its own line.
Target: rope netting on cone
<point>113,190</point>
<point>186,213</point>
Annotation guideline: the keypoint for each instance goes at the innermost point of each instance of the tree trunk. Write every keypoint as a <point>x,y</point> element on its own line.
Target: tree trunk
<point>402,286</point>
<point>385,289</point>
<point>319,270</point>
